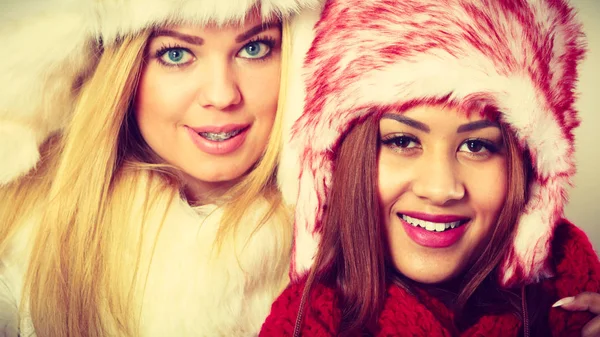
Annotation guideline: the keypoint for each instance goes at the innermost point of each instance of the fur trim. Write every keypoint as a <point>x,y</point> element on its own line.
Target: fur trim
<point>519,57</point>
<point>302,38</point>
<point>53,48</point>
<point>225,294</point>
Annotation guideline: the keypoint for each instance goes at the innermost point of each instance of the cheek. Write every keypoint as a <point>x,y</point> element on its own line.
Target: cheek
<point>488,189</point>
<point>163,96</point>
<point>260,88</point>
<point>393,180</point>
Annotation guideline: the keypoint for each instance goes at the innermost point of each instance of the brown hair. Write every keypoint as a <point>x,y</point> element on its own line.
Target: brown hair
<point>353,244</point>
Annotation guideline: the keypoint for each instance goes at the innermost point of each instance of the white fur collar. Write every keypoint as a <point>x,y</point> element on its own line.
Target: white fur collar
<point>187,293</point>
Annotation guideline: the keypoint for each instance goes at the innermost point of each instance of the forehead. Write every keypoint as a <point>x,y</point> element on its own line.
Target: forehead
<point>253,19</point>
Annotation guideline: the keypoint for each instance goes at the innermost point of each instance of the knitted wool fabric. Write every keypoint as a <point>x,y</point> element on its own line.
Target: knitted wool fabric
<point>577,269</point>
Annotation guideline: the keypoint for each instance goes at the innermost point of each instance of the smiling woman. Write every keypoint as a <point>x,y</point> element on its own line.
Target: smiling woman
<point>198,105</point>
<point>140,196</point>
<point>442,183</point>
<point>434,153</point>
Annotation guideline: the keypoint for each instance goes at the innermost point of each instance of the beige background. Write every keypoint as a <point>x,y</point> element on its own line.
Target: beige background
<point>584,205</point>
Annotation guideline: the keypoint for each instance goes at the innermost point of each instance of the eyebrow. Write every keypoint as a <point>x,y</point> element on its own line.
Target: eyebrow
<point>477,125</point>
<point>196,40</point>
<point>408,121</point>
<point>255,30</point>
<point>192,39</point>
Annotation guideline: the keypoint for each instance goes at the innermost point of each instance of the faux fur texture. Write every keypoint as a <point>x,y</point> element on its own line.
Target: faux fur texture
<point>189,290</point>
<point>518,57</point>
<point>577,270</point>
<point>53,48</point>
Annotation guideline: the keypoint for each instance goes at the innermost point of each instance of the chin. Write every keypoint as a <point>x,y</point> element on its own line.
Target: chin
<point>430,274</point>
<point>429,279</point>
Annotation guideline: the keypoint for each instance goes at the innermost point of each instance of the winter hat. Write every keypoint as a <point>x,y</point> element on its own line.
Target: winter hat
<point>519,56</point>
<point>52,46</point>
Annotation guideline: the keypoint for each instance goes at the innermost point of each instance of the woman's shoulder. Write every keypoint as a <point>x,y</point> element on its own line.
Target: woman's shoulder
<point>320,315</point>
<point>577,270</point>
<point>574,255</point>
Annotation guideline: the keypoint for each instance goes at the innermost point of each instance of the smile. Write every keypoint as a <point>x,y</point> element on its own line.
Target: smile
<point>219,140</point>
<point>220,136</point>
<point>432,226</point>
<point>434,231</point>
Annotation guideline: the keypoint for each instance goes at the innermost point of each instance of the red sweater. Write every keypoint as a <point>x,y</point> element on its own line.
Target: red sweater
<point>577,270</point>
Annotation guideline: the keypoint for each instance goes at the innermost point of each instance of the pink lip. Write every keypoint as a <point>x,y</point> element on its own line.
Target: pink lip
<point>432,239</point>
<point>218,148</point>
<point>219,128</point>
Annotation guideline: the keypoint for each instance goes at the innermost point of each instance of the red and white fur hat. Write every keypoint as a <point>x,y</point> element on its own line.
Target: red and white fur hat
<point>52,47</point>
<point>519,55</point>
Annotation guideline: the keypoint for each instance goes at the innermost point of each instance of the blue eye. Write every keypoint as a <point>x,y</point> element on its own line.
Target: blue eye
<point>255,50</point>
<point>174,56</point>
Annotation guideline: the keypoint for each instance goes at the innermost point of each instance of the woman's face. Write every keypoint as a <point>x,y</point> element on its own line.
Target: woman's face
<point>207,98</point>
<point>442,183</point>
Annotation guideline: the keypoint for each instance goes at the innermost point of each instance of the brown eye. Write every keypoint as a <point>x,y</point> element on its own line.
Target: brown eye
<point>478,146</point>
<point>475,146</point>
<point>401,142</point>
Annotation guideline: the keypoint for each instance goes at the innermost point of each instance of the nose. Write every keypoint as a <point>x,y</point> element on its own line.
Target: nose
<point>219,89</point>
<point>438,180</point>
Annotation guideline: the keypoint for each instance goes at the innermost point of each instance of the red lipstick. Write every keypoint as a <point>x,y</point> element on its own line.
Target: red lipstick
<point>432,238</point>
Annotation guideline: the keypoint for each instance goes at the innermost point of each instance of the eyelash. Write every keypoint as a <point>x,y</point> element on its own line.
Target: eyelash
<point>488,145</point>
<point>269,41</point>
<point>391,142</point>
<point>166,48</point>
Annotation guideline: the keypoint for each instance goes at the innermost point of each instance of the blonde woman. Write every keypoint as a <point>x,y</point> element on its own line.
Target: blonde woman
<point>139,141</point>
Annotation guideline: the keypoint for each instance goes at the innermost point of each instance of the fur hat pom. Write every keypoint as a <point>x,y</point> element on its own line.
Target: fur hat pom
<point>52,46</point>
<point>521,56</point>
<point>46,52</point>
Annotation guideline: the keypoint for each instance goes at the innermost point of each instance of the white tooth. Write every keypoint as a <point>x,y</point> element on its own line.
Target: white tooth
<point>447,225</point>
<point>439,227</point>
<point>219,136</point>
<point>454,224</point>
<point>430,226</point>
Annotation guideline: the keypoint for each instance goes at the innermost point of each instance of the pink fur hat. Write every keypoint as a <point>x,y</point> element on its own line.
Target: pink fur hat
<point>518,55</point>
<point>52,48</point>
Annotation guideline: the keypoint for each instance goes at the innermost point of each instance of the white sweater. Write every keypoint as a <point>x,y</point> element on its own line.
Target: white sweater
<point>187,293</point>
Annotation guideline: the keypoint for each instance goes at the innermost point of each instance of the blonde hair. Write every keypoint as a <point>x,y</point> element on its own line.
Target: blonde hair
<point>76,283</point>
<point>261,180</point>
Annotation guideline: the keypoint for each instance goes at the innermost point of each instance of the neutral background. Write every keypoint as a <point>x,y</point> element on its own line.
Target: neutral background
<point>584,205</point>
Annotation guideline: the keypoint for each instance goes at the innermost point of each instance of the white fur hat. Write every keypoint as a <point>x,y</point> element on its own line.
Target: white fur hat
<point>51,46</point>
<point>520,56</point>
